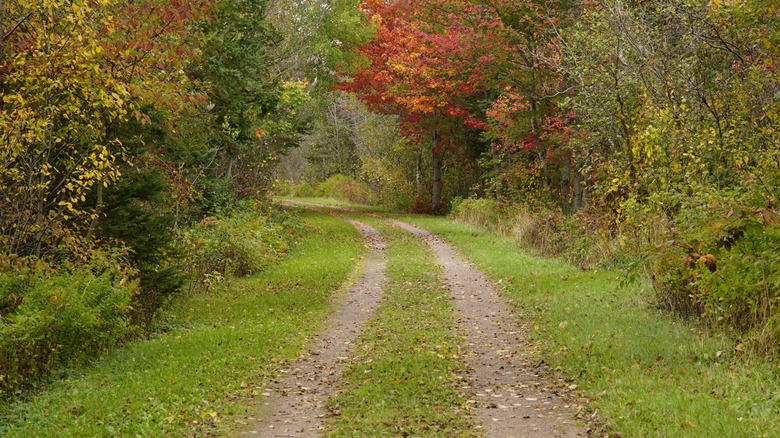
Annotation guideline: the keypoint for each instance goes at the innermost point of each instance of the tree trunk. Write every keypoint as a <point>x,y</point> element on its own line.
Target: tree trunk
<point>2,24</point>
<point>541,154</point>
<point>578,189</point>
<point>98,211</point>
<point>438,159</point>
<point>585,188</point>
<point>545,171</point>
<point>566,204</point>
<point>418,170</point>
<point>498,174</point>
<point>39,215</point>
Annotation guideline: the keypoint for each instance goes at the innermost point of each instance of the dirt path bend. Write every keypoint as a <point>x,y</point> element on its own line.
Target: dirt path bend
<point>294,405</point>
<point>512,400</point>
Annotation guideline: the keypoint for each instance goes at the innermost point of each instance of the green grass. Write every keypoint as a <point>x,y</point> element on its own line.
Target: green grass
<point>646,373</point>
<point>406,377</point>
<point>196,378</point>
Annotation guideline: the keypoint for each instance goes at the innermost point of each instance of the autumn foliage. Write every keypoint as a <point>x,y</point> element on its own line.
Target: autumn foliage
<point>643,123</point>
<point>641,132</point>
<point>120,123</point>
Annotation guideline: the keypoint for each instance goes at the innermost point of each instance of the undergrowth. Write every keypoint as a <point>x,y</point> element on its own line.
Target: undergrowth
<point>337,187</point>
<point>244,242</point>
<point>576,238</point>
<point>59,314</point>
<point>56,314</point>
<point>718,265</point>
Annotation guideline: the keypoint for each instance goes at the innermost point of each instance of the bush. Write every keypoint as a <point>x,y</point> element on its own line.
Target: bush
<point>218,196</point>
<point>241,244</point>
<point>398,200</point>
<point>57,315</point>
<point>344,188</point>
<point>134,214</point>
<point>300,190</point>
<point>725,269</point>
<point>481,212</point>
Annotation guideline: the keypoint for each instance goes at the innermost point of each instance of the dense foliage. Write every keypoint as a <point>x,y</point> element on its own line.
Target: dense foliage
<point>240,244</point>
<point>54,315</point>
<point>123,124</point>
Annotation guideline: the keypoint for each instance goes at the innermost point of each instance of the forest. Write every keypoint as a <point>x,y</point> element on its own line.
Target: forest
<point>141,143</point>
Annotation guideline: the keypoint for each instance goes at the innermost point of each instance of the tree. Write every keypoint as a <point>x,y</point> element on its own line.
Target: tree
<point>331,146</point>
<point>71,71</point>
<point>531,150</point>
<point>420,69</point>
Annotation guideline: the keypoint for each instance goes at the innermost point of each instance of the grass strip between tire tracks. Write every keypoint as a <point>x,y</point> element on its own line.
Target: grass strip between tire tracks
<point>196,379</point>
<point>406,376</point>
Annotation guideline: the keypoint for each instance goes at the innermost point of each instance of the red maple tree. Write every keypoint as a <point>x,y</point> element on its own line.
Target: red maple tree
<point>422,64</point>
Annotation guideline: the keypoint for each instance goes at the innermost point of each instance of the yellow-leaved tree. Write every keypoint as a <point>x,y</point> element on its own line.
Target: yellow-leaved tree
<point>71,71</point>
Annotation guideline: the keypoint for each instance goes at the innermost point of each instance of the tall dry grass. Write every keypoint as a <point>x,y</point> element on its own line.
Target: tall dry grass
<point>576,238</point>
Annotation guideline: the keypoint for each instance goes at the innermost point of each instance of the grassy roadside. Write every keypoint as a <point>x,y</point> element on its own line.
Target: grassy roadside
<point>645,373</point>
<point>194,380</point>
<point>405,378</point>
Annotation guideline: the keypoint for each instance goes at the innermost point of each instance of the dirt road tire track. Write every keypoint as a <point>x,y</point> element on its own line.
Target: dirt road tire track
<point>512,400</point>
<point>294,405</point>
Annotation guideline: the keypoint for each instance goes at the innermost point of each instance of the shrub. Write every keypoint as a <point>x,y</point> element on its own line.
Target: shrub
<point>481,212</point>
<point>134,214</point>
<point>724,268</point>
<point>398,200</point>
<point>576,238</point>
<point>299,190</point>
<point>344,188</point>
<point>241,244</point>
<point>52,315</point>
<point>218,196</point>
